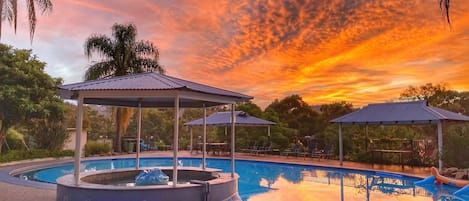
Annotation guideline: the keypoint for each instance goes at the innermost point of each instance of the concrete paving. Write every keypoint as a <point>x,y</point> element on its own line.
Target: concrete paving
<point>12,190</point>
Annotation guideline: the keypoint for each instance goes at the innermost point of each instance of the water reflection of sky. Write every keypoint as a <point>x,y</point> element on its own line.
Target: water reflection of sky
<point>277,181</point>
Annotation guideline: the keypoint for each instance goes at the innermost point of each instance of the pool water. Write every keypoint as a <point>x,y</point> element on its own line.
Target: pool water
<point>281,181</point>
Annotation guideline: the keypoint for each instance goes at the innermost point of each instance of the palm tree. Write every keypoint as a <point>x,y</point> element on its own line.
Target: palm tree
<point>9,9</point>
<point>121,55</point>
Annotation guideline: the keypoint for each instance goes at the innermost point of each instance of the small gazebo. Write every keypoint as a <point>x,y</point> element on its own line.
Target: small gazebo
<point>149,90</point>
<point>224,119</point>
<point>400,113</point>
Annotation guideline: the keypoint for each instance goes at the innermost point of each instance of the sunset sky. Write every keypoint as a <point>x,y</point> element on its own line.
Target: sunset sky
<point>356,51</point>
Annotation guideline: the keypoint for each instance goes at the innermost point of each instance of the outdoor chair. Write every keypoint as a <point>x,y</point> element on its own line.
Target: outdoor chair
<point>264,150</point>
<point>326,153</point>
<point>250,148</point>
<point>143,146</point>
<point>294,152</point>
<point>310,152</point>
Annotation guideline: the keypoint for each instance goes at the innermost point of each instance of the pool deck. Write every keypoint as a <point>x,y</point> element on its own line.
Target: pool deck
<point>15,192</point>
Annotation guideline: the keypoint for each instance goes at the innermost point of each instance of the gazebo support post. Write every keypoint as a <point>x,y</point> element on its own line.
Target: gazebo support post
<point>191,145</point>
<point>175,140</point>
<point>366,138</point>
<point>139,132</point>
<point>341,187</point>
<point>341,151</point>
<point>440,144</point>
<point>204,146</point>
<point>233,120</point>
<point>268,136</point>
<point>79,125</point>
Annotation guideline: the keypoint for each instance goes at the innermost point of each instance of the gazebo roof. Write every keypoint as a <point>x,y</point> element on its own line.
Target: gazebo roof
<point>416,112</point>
<point>151,90</point>
<point>224,118</point>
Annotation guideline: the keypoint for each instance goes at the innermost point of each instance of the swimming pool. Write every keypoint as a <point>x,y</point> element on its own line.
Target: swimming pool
<point>282,181</point>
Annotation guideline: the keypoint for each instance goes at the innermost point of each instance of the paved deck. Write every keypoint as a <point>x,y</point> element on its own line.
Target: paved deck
<point>14,192</point>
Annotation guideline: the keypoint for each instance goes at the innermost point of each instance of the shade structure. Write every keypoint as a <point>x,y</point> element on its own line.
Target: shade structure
<point>151,90</point>
<point>400,113</point>
<point>224,119</point>
<point>145,90</point>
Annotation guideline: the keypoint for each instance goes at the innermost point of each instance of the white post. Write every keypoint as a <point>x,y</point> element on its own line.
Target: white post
<point>233,120</point>
<point>139,131</point>
<point>79,125</point>
<point>175,140</point>
<point>341,151</point>
<point>341,186</point>
<point>440,145</point>
<point>268,134</point>
<point>190,147</point>
<point>204,143</point>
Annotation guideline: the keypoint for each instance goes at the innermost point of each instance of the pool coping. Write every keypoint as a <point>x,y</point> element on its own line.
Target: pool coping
<point>7,172</point>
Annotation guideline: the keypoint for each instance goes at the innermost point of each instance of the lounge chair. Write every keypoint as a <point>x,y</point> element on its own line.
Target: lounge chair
<point>326,153</point>
<point>250,148</point>
<point>264,150</point>
<point>310,152</point>
<point>294,152</point>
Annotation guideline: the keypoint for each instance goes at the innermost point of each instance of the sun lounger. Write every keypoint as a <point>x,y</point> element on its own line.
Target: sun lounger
<point>326,153</point>
<point>262,150</point>
<point>293,152</point>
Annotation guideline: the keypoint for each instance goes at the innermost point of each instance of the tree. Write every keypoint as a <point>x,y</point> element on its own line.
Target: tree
<point>250,107</point>
<point>335,110</point>
<point>9,9</point>
<point>438,95</point>
<point>121,55</point>
<point>26,92</point>
<point>297,114</point>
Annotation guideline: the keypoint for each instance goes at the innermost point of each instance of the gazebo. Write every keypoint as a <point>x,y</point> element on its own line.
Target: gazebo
<point>224,119</point>
<point>149,90</point>
<point>400,113</point>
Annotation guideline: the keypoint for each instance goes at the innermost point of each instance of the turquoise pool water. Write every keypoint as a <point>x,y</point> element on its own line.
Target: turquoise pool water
<point>281,181</point>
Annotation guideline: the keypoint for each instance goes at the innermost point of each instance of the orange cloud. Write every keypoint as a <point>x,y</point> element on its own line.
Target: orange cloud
<point>357,51</point>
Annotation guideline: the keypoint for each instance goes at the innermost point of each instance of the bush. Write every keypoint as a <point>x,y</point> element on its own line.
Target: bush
<point>456,146</point>
<point>96,148</point>
<point>17,155</point>
<point>160,145</point>
<point>48,134</point>
<point>14,140</point>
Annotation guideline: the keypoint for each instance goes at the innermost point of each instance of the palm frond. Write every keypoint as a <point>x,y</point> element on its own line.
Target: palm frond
<point>32,18</point>
<point>444,7</point>
<point>146,48</point>
<point>1,16</point>
<point>100,44</point>
<point>44,5</point>
<point>11,12</point>
<point>146,65</point>
<point>124,34</point>
<point>100,70</point>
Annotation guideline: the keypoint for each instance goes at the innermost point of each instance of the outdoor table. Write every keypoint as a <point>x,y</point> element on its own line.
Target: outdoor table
<point>391,151</point>
<point>215,147</point>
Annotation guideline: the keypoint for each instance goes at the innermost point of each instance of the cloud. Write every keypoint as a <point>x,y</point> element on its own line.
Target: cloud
<point>324,51</point>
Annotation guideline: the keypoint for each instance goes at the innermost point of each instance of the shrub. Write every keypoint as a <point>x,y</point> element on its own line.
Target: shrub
<point>96,148</point>
<point>16,155</point>
<point>14,140</point>
<point>456,146</point>
<point>48,134</point>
